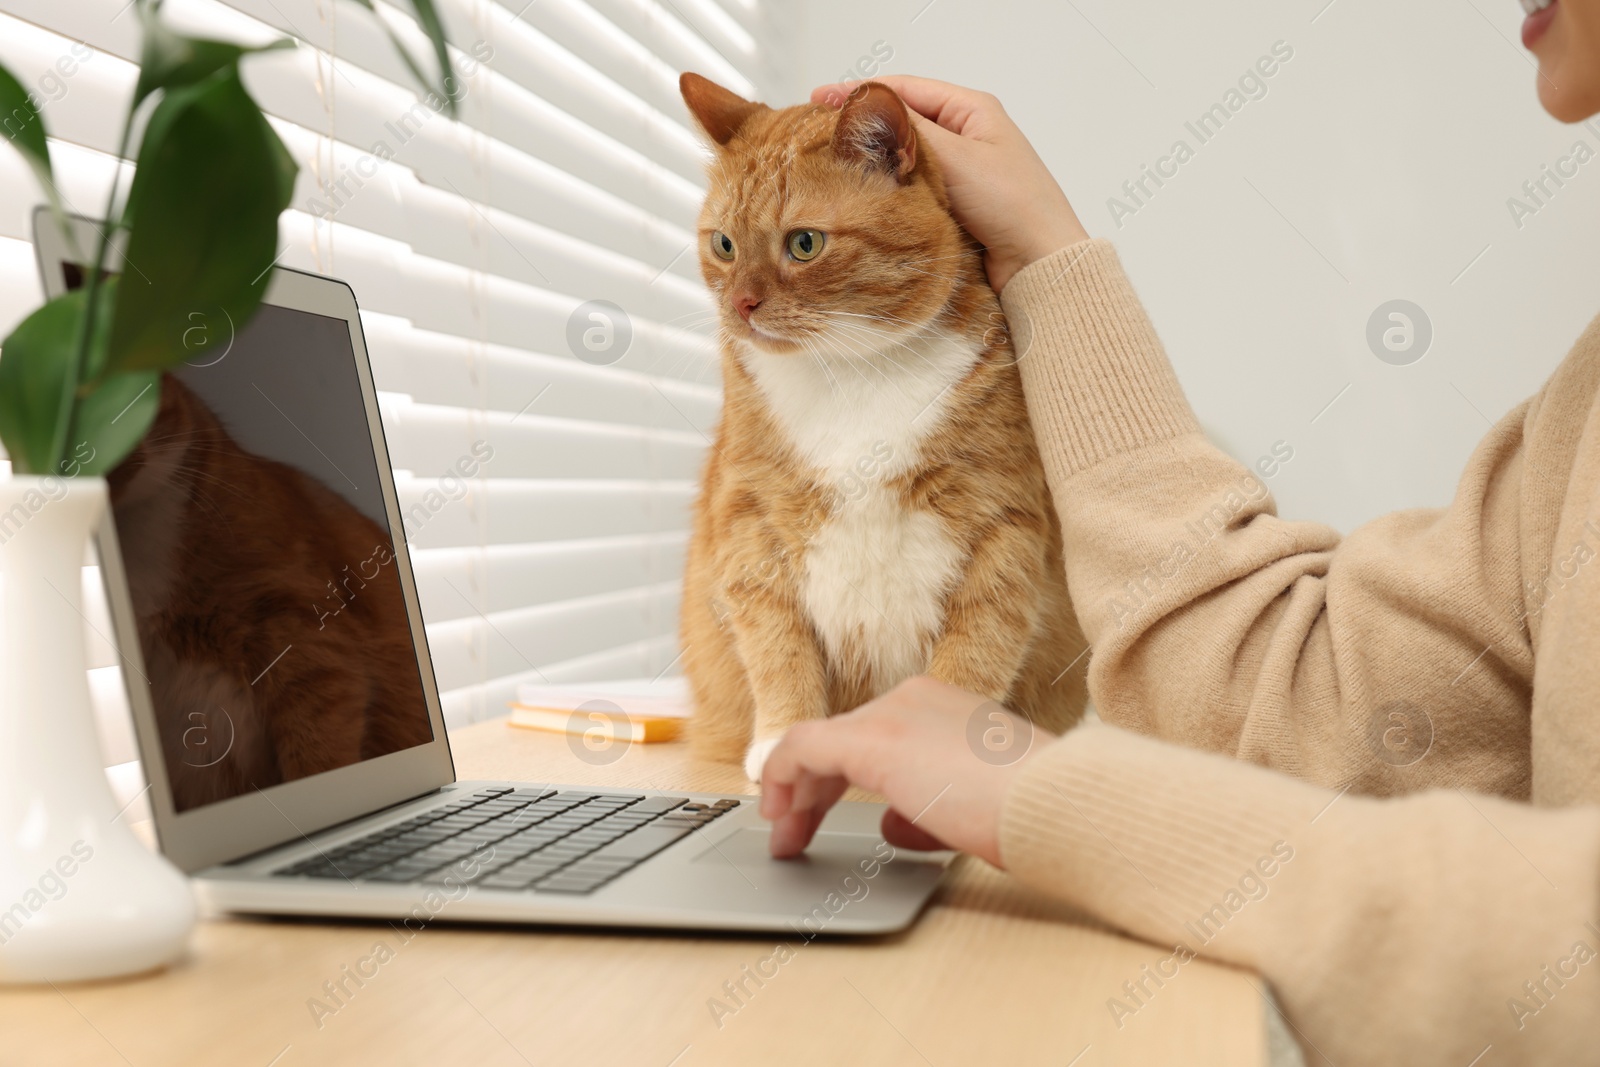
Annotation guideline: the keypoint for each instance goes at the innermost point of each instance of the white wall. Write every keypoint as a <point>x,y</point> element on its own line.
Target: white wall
<point>1390,141</point>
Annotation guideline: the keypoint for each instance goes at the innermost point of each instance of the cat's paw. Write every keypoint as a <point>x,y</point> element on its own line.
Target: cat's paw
<point>755,757</point>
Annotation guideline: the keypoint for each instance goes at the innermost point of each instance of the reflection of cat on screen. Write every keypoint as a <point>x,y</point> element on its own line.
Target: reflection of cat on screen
<point>269,611</point>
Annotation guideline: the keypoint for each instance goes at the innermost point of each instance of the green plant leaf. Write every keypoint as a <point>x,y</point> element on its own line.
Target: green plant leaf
<point>203,215</point>
<point>169,60</point>
<point>23,126</point>
<point>35,381</point>
<point>110,422</point>
<point>428,19</point>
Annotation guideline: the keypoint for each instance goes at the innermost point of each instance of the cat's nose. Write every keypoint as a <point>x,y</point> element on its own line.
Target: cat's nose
<point>745,304</point>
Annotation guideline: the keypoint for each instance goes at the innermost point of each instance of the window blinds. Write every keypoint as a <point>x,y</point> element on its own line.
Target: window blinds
<point>572,176</point>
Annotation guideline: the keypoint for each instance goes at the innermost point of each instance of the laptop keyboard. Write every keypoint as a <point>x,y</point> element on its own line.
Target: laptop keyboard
<point>522,838</point>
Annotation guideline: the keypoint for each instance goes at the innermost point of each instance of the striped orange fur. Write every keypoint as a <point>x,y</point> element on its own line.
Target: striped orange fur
<point>874,505</point>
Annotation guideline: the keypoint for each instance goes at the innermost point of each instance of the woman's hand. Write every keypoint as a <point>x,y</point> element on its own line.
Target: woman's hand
<point>1000,190</point>
<point>943,758</point>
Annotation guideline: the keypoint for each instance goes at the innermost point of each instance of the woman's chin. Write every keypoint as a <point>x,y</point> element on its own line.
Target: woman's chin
<point>1561,103</point>
<point>1569,92</point>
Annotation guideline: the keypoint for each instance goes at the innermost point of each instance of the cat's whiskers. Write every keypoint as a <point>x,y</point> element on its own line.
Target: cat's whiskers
<point>848,352</point>
<point>852,359</point>
<point>854,333</point>
<point>213,482</point>
<point>817,358</point>
<point>694,319</point>
<point>895,339</point>
<point>896,336</point>
<point>910,327</point>
<point>199,441</point>
<point>953,255</point>
<point>919,270</point>
<point>846,339</point>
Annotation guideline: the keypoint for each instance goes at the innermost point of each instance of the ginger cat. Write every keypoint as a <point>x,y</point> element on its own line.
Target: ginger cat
<point>874,505</point>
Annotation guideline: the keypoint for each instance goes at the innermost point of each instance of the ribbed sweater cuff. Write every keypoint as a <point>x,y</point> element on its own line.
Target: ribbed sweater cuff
<point>1154,838</point>
<point>1097,380</point>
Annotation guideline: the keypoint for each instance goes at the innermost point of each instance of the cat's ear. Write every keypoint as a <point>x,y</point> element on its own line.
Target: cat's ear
<point>875,129</point>
<point>719,112</point>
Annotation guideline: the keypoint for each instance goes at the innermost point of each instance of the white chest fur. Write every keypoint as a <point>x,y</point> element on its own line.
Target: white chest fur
<point>874,585</point>
<point>875,573</point>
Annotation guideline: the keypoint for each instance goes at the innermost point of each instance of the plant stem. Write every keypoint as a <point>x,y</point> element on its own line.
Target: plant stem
<point>69,395</point>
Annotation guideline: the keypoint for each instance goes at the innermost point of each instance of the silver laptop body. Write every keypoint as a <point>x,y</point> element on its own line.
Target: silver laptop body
<point>389,832</point>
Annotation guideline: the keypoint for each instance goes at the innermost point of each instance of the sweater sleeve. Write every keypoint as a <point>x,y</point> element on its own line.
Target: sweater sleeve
<point>1419,930</point>
<point>1214,622</point>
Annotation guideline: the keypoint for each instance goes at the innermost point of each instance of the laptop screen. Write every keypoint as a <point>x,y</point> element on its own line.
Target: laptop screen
<point>261,568</point>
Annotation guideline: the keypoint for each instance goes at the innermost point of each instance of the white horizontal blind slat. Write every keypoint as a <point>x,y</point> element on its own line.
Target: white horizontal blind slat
<point>650,658</point>
<point>426,438</point>
<point>748,13</point>
<point>457,582</point>
<point>436,516</point>
<point>679,41</point>
<point>607,48</point>
<point>421,363</point>
<point>508,642</point>
<point>19,282</point>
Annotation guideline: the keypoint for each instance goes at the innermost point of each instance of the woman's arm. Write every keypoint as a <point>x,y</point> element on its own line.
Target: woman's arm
<point>1417,930</point>
<point>1407,931</point>
<point>1391,659</point>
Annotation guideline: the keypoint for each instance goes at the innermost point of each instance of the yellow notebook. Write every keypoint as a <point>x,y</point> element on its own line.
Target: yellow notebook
<point>619,711</point>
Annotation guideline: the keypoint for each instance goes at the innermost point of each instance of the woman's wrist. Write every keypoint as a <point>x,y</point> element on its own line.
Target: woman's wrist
<point>1043,242</point>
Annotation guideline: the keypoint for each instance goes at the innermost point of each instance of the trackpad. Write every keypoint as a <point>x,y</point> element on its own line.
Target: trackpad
<point>844,883</point>
<point>748,848</point>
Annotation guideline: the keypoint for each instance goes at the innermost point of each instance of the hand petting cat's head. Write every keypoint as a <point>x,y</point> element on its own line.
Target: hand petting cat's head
<point>824,231</point>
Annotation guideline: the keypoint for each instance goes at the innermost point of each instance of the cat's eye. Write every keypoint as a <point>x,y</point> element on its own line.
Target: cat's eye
<point>721,245</point>
<point>805,244</point>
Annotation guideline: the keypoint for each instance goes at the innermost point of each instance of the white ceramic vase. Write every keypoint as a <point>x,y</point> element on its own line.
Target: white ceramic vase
<point>80,896</point>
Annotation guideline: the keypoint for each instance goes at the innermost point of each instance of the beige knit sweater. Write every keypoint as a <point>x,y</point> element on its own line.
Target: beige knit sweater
<point>1415,862</point>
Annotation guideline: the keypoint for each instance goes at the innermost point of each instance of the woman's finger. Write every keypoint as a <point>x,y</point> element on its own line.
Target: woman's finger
<point>832,95</point>
<point>901,832</point>
<point>951,106</point>
<point>820,748</point>
<point>792,833</point>
<point>813,792</point>
<point>776,797</point>
<point>942,140</point>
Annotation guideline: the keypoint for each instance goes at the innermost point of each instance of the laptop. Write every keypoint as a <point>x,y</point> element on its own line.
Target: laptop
<point>286,710</point>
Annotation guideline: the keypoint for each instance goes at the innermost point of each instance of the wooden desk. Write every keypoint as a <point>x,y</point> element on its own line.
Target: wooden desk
<point>991,974</point>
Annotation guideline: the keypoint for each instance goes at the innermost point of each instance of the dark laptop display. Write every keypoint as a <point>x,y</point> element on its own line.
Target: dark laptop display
<point>261,565</point>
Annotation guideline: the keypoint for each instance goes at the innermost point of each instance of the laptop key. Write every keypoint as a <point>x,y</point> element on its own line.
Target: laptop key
<point>505,881</point>
<point>644,842</point>
<point>659,803</point>
<point>393,874</point>
<point>317,870</point>
<point>562,882</point>
<point>599,867</point>
<point>430,858</point>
